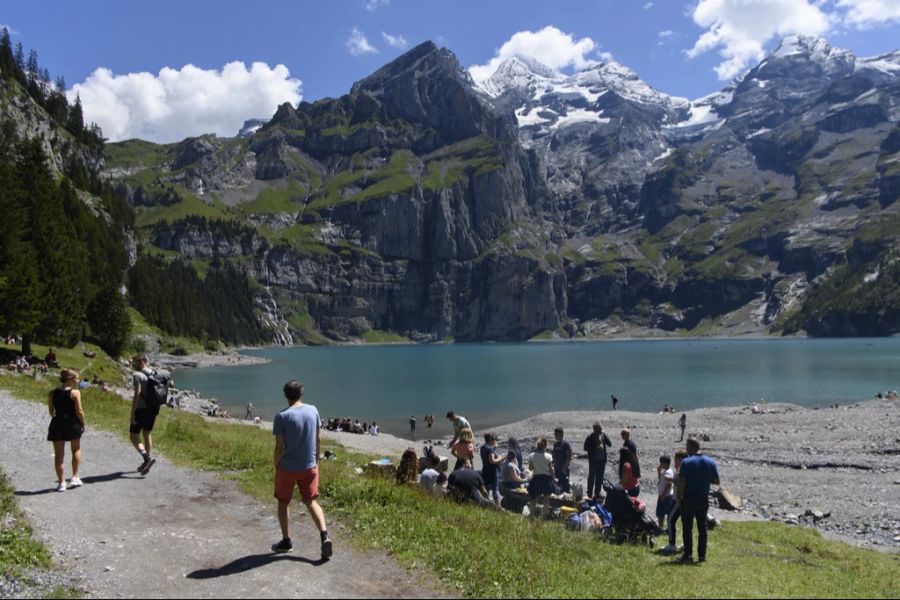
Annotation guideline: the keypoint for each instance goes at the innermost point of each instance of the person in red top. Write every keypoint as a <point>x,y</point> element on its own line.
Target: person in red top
<point>629,472</point>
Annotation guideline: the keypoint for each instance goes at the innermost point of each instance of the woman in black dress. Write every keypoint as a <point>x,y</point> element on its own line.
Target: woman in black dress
<point>67,425</point>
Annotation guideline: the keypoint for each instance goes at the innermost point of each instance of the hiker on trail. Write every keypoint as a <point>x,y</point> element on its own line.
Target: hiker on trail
<point>665,489</point>
<point>682,424</point>
<point>143,416</point>
<point>459,423</point>
<point>629,472</point>
<point>562,458</point>
<point>697,471</point>
<point>490,466</point>
<point>615,400</point>
<point>412,427</point>
<point>297,448</point>
<point>464,448</point>
<point>66,425</point>
<point>675,512</point>
<point>595,446</point>
<point>541,463</point>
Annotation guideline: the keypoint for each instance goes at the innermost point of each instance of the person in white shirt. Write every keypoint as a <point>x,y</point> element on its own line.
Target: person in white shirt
<point>541,463</point>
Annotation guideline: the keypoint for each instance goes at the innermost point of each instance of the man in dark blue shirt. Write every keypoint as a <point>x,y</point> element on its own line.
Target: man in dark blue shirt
<point>697,472</point>
<point>562,457</point>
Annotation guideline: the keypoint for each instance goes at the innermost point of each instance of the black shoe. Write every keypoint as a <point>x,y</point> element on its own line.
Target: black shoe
<point>326,549</point>
<point>684,560</point>
<point>701,559</point>
<point>284,545</point>
<point>148,464</point>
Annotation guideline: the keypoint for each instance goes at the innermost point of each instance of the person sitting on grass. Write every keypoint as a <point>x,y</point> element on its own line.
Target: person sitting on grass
<point>428,480</point>
<point>513,477</point>
<point>467,484</point>
<point>50,359</point>
<point>408,471</point>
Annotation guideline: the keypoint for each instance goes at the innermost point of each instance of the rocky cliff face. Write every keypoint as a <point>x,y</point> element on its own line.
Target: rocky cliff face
<point>585,204</point>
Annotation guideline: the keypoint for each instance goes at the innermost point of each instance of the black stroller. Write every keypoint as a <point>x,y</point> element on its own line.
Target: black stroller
<point>630,523</point>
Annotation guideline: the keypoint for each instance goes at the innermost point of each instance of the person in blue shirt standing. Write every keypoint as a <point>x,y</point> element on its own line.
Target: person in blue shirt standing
<point>697,473</point>
<point>297,447</point>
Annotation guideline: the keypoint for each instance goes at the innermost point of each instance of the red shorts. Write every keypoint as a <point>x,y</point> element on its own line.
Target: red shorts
<point>307,480</point>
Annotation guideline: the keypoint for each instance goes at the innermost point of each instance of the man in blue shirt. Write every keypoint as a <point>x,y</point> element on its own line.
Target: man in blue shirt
<point>697,472</point>
<point>296,430</point>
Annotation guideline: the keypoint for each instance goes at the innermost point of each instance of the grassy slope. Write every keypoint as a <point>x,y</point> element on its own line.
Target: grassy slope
<point>18,550</point>
<point>484,553</point>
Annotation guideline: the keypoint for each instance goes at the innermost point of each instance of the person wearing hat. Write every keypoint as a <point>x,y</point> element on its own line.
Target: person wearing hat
<point>66,425</point>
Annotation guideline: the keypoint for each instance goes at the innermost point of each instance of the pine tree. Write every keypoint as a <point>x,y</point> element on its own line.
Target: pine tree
<point>7,61</point>
<point>109,321</point>
<point>75,121</point>
<point>32,69</point>
<point>19,64</point>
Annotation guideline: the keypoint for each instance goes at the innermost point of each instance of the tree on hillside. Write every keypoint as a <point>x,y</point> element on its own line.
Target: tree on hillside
<point>7,61</point>
<point>109,322</point>
<point>19,64</point>
<point>75,122</point>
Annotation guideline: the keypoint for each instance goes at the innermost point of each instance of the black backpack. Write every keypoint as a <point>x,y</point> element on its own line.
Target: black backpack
<point>156,392</point>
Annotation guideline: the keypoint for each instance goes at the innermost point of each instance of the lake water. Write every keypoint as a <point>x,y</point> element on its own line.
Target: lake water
<point>493,384</point>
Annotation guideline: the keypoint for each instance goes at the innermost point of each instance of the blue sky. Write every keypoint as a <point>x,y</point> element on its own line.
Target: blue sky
<point>685,48</point>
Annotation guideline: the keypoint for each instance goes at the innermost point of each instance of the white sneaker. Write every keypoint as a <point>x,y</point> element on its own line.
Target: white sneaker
<point>668,549</point>
<point>61,487</point>
<point>75,482</point>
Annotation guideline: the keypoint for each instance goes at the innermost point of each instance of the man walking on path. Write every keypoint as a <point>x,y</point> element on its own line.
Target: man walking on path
<point>297,445</point>
<point>682,423</point>
<point>595,446</point>
<point>143,417</point>
<point>697,471</point>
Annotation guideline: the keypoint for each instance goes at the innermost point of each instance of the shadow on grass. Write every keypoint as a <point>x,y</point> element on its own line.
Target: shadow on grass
<point>85,480</point>
<point>246,563</point>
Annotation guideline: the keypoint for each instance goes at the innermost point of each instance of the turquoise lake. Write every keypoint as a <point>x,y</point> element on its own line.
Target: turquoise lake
<point>493,384</point>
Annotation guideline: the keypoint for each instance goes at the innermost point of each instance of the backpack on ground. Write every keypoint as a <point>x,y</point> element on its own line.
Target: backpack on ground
<point>156,392</point>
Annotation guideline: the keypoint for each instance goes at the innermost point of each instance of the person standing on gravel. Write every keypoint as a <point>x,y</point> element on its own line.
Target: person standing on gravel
<point>66,425</point>
<point>297,449</point>
<point>682,424</point>
<point>595,446</point>
<point>697,471</point>
<point>143,417</point>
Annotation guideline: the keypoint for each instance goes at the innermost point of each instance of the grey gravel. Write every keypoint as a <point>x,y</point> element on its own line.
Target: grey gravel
<point>175,533</point>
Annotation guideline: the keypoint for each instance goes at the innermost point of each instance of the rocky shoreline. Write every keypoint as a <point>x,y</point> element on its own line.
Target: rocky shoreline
<point>836,469</point>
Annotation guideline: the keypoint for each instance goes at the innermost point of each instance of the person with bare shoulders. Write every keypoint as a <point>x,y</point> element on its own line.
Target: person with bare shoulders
<point>66,425</point>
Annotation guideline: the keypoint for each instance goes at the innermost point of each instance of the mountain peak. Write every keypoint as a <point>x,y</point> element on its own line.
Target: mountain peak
<point>424,58</point>
<point>814,48</point>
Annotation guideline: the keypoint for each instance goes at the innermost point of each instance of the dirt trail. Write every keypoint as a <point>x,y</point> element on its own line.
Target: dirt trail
<point>177,532</point>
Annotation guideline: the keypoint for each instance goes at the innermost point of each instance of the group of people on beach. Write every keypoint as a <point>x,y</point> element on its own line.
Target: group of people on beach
<point>348,425</point>
<point>683,485</point>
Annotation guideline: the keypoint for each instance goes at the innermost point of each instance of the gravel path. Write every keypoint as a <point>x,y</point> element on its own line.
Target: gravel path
<point>177,532</point>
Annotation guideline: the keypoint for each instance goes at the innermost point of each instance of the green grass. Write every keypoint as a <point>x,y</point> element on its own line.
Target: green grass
<point>376,336</point>
<point>101,365</point>
<point>135,153</point>
<point>18,549</point>
<point>275,200</point>
<point>190,205</point>
<point>170,343</point>
<point>394,178</point>
<point>488,554</point>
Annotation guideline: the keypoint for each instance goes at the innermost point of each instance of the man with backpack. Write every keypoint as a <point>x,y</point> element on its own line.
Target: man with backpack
<point>150,391</point>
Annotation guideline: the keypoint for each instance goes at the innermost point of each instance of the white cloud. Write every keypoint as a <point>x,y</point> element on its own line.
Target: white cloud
<point>648,6</point>
<point>179,103</point>
<point>739,29</point>
<point>606,56</point>
<point>358,44</point>
<point>550,46</point>
<point>868,13</point>
<point>666,33</point>
<point>373,5</point>
<point>395,41</point>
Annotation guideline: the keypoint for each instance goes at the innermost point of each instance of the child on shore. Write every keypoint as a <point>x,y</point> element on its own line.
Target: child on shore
<point>665,489</point>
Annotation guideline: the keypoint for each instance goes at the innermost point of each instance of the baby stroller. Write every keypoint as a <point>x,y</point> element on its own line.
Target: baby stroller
<point>629,519</point>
